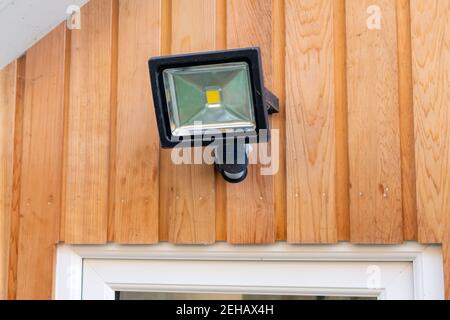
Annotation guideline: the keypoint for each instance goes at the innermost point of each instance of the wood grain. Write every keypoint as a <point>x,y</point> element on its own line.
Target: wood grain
<point>137,149</point>
<point>310,122</point>
<point>446,258</point>
<point>166,48</point>
<point>60,136</point>
<point>250,204</point>
<point>340,89</point>
<point>221,184</point>
<point>67,59</point>
<point>40,198</point>
<point>88,132</point>
<point>7,113</point>
<point>405,96</point>
<point>17,172</point>
<point>374,143</point>
<point>279,120</point>
<point>110,232</point>
<point>187,202</point>
<point>431,59</point>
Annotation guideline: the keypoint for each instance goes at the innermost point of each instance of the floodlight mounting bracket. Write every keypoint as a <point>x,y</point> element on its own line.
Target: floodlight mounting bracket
<point>271,102</point>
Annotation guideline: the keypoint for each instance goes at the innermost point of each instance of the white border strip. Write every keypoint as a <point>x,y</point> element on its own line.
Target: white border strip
<point>426,259</point>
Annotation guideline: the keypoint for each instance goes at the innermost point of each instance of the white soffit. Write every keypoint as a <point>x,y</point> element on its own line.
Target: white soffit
<point>24,22</point>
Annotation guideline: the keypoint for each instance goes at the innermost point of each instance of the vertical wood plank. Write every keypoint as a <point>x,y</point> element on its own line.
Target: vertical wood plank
<point>431,59</point>
<point>7,113</point>
<point>279,120</point>
<point>40,199</point>
<point>310,122</point>
<point>446,256</point>
<point>88,132</point>
<point>374,144</point>
<point>137,149</point>
<point>405,94</point>
<point>110,232</point>
<point>68,49</point>
<point>187,203</point>
<point>340,85</point>
<point>16,175</point>
<point>164,179</point>
<point>250,204</point>
<point>221,184</point>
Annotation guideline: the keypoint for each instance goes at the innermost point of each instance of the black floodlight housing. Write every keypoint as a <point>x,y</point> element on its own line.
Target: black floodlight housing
<point>213,97</point>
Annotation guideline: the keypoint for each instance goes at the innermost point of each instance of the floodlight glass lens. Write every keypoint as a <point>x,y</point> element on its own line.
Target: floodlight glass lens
<point>209,97</point>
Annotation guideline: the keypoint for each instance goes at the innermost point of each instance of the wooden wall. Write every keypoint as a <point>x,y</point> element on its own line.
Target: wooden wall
<point>364,130</point>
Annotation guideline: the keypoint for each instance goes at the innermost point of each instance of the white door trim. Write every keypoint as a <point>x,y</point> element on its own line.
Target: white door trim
<point>427,265</point>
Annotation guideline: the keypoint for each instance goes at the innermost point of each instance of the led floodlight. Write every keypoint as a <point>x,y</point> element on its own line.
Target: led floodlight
<point>209,97</point>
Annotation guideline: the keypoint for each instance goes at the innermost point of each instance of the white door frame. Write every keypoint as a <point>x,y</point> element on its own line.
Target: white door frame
<point>104,267</point>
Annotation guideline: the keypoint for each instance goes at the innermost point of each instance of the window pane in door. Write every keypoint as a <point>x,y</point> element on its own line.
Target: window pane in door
<point>126,295</point>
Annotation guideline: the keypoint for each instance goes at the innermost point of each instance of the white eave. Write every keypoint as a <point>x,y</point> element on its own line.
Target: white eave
<point>24,22</point>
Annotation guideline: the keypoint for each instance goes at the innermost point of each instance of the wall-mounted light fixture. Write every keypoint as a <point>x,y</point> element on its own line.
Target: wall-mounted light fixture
<point>213,97</point>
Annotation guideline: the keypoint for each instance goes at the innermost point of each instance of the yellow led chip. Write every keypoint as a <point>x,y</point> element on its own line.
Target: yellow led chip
<point>213,97</point>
